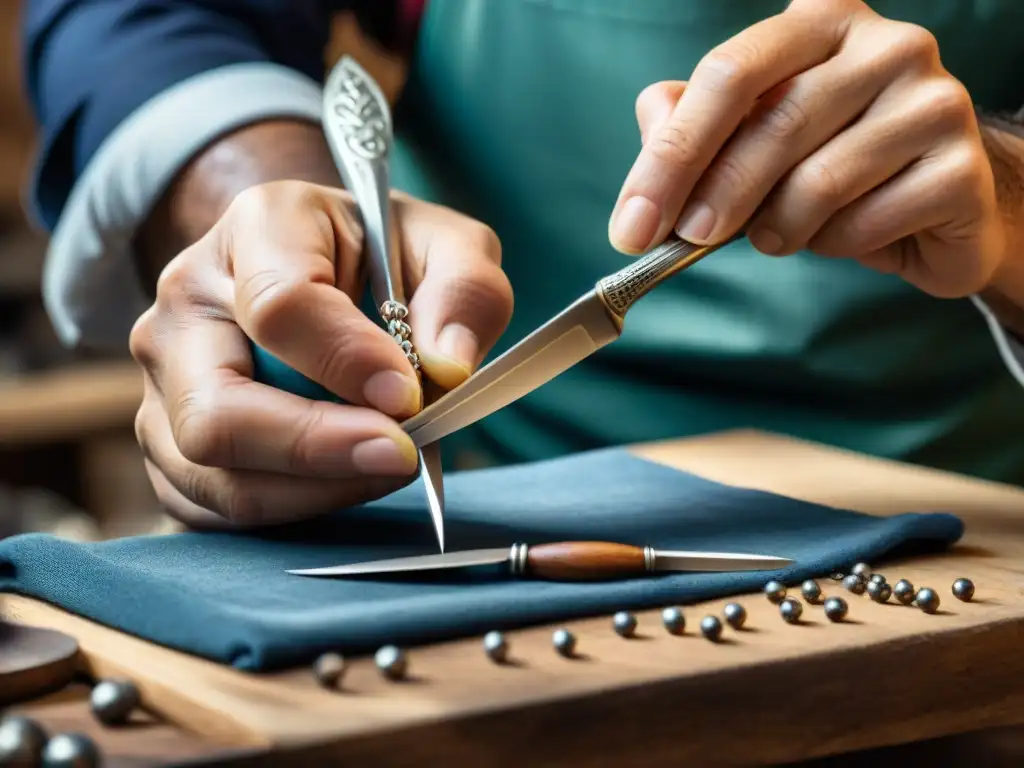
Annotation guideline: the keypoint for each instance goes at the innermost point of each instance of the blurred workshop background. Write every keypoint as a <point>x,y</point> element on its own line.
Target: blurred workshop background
<point>69,462</point>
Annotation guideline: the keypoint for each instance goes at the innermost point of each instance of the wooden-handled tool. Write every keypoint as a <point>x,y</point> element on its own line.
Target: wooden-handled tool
<point>565,561</point>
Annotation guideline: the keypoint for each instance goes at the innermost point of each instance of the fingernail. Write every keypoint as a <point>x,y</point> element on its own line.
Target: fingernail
<point>696,222</point>
<point>459,344</point>
<point>383,456</point>
<point>636,224</point>
<point>392,393</point>
<point>765,240</point>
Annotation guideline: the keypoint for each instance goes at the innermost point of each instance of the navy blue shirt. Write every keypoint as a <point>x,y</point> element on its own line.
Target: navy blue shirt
<point>89,64</point>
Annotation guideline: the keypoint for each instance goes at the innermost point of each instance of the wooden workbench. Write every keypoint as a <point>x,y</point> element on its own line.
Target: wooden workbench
<point>775,694</point>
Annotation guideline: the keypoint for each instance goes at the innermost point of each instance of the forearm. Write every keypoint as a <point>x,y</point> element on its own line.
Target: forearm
<point>1004,142</point>
<point>266,151</point>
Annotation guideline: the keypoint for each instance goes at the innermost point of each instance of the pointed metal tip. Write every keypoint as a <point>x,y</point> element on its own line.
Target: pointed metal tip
<point>439,530</point>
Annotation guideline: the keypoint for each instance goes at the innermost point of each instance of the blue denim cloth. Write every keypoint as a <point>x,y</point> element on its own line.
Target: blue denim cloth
<point>225,596</point>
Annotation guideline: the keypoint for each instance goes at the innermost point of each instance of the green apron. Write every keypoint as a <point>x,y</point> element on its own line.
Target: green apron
<point>521,113</point>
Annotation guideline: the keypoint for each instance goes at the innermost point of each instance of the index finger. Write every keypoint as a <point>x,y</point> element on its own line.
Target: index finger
<point>725,85</point>
<point>283,252</point>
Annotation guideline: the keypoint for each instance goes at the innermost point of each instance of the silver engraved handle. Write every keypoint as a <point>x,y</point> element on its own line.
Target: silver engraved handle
<point>357,123</point>
<point>624,288</point>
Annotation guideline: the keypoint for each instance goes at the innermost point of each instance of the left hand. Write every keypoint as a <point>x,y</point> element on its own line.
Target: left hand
<point>828,128</point>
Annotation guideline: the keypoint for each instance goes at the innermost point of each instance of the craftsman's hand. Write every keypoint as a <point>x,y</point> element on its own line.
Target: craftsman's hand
<point>829,128</point>
<point>281,267</point>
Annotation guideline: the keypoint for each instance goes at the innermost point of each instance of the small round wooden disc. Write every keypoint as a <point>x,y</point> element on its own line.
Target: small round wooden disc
<point>34,661</point>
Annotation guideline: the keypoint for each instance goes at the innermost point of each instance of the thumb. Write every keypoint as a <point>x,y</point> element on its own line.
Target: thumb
<point>462,300</point>
<point>655,104</point>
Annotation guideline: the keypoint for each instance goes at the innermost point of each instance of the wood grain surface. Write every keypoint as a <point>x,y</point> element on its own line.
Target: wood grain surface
<point>775,693</point>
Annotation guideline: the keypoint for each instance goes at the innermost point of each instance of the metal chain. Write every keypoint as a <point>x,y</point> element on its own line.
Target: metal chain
<point>394,315</point>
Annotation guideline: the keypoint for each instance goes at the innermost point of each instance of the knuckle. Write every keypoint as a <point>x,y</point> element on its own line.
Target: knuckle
<point>200,431</point>
<point>270,301</point>
<point>300,448</point>
<point>728,69</point>
<point>254,200</point>
<point>950,105</point>
<point>916,44</point>
<point>672,146</point>
<point>142,431</point>
<point>967,169</point>
<point>142,341</point>
<point>257,200</point>
<point>240,504</point>
<point>178,283</point>
<point>484,240</point>
<point>785,119</point>
<point>732,174</point>
<point>817,181</point>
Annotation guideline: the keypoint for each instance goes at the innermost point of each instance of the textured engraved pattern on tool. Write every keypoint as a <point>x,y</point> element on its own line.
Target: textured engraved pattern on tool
<point>362,120</point>
<point>627,285</point>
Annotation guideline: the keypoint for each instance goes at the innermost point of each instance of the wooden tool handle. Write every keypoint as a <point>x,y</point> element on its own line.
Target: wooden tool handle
<point>585,561</point>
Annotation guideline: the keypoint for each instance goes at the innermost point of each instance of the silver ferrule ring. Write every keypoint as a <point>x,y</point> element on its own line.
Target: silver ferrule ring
<point>649,558</point>
<point>517,559</point>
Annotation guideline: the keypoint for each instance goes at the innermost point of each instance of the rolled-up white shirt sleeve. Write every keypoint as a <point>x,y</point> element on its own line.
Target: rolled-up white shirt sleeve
<point>91,287</point>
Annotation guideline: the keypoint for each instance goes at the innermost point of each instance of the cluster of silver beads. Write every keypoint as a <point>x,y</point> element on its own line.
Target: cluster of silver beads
<point>394,315</point>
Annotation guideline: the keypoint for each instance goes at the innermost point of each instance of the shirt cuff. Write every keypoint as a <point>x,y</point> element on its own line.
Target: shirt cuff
<point>91,288</point>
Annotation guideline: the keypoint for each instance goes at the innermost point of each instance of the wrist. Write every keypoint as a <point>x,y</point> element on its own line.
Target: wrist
<point>255,154</point>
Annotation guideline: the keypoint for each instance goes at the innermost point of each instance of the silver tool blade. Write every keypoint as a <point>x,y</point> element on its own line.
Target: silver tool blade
<point>571,336</point>
<point>465,559</point>
<point>674,560</point>
<point>433,482</point>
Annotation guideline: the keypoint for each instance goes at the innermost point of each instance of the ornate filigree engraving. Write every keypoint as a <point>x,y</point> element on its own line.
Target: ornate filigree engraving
<point>622,289</point>
<point>361,116</point>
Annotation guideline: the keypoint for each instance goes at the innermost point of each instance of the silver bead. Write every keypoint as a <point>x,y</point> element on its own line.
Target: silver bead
<point>21,742</point>
<point>863,570</point>
<point>391,662</point>
<point>711,628</point>
<point>113,701</point>
<point>775,591</point>
<point>811,591</point>
<point>927,600</point>
<point>735,615</point>
<point>879,591</point>
<point>496,647</point>
<point>329,669</point>
<point>835,609</point>
<point>71,750</point>
<point>564,641</point>
<point>904,591</point>
<point>624,623</point>
<point>963,589</point>
<point>674,620</point>
<point>877,578</point>
<point>854,583</point>
<point>791,610</point>
<point>836,576</point>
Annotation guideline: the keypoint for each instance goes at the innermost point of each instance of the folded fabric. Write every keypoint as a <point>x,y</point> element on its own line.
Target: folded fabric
<point>226,596</point>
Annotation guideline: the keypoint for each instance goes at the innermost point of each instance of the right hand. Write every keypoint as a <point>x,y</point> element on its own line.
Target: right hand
<point>281,268</point>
